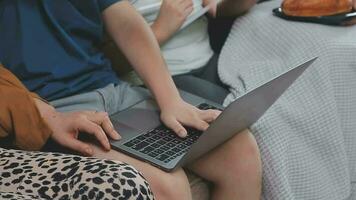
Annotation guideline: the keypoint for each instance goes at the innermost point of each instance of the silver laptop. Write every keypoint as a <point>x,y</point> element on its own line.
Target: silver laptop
<point>146,138</point>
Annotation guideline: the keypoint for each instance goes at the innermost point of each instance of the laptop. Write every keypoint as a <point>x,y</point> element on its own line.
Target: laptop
<point>146,138</point>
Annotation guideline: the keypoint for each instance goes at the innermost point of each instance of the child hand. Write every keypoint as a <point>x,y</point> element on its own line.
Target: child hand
<point>180,114</point>
<point>171,17</point>
<point>213,6</point>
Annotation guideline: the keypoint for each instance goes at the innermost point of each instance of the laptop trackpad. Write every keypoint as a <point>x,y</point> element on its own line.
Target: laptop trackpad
<point>125,131</point>
<point>139,118</point>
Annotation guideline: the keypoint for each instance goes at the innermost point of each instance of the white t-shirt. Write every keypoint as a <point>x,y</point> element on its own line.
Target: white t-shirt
<point>189,49</point>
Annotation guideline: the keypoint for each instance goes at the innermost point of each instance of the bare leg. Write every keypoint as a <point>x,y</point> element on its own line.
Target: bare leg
<point>234,168</point>
<point>164,185</point>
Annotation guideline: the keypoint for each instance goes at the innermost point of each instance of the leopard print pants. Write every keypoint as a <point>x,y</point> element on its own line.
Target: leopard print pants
<point>36,175</point>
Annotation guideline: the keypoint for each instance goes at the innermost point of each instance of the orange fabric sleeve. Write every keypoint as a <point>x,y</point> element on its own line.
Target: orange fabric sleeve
<point>20,121</point>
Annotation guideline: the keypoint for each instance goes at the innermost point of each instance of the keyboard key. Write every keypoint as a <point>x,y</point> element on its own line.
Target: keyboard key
<point>167,139</point>
<point>171,153</point>
<point>147,150</point>
<point>135,141</point>
<point>181,146</point>
<point>172,135</point>
<point>179,153</point>
<point>191,139</point>
<point>158,151</point>
<point>161,142</point>
<point>141,137</point>
<point>188,142</point>
<point>176,141</point>
<point>153,154</point>
<point>156,145</point>
<point>150,140</point>
<point>129,144</point>
<point>161,134</point>
<point>156,137</point>
<point>162,157</point>
<point>176,150</point>
<point>171,144</point>
<point>140,146</point>
<point>166,130</point>
<point>149,134</point>
<point>164,148</point>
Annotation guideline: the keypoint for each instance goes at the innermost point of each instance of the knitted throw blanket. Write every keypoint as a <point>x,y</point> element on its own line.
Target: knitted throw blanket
<point>307,138</point>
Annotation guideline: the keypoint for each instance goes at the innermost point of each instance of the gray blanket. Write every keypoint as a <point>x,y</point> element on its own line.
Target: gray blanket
<point>308,137</point>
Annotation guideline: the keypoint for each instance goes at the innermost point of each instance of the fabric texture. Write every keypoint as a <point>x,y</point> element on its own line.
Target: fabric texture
<point>14,196</point>
<point>21,124</point>
<point>52,45</point>
<point>353,192</point>
<point>110,99</point>
<point>36,175</point>
<point>307,138</point>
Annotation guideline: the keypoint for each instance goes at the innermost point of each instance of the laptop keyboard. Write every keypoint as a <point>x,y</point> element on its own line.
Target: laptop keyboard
<point>163,144</point>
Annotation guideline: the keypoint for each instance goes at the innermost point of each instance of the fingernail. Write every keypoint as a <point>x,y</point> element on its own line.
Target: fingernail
<point>108,146</point>
<point>89,151</point>
<point>117,136</point>
<point>182,133</point>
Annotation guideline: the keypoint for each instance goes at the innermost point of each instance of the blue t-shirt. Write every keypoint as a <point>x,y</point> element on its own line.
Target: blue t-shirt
<point>51,45</point>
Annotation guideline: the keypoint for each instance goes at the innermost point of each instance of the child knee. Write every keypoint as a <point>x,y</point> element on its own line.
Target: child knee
<point>249,149</point>
<point>242,158</point>
<point>246,159</point>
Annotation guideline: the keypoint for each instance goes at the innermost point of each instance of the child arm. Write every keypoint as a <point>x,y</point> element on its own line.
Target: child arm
<point>137,41</point>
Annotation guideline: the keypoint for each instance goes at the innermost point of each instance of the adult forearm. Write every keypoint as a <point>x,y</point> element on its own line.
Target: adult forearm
<point>135,38</point>
<point>20,119</point>
<point>19,116</point>
<point>234,8</point>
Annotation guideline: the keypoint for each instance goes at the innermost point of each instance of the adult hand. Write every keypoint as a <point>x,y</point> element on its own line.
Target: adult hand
<point>213,6</point>
<point>179,114</point>
<point>171,17</point>
<point>354,4</point>
<point>66,127</point>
